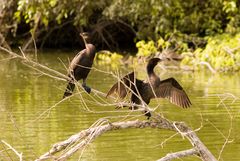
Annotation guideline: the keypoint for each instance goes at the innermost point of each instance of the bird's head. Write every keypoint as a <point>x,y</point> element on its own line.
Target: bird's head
<point>153,62</point>
<point>90,48</point>
<point>86,36</point>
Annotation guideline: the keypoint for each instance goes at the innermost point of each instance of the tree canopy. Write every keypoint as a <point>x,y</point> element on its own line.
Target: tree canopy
<point>184,25</point>
<point>142,20</point>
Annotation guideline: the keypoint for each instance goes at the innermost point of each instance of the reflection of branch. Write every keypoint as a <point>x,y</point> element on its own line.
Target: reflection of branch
<point>209,66</point>
<point>229,130</point>
<point>85,137</point>
<point>231,114</point>
<point>14,150</point>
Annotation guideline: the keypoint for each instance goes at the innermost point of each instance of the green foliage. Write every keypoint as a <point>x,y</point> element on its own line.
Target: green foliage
<point>146,48</point>
<point>222,52</point>
<point>80,11</point>
<point>157,18</point>
<point>151,19</point>
<point>203,29</point>
<point>151,48</point>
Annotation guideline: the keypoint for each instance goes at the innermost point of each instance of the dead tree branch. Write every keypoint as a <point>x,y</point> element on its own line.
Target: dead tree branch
<point>35,65</point>
<point>179,154</point>
<point>14,150</point>
<point>82,139</point>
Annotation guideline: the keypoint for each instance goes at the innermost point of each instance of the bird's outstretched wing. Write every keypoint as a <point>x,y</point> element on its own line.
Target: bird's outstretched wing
<point>172,90</point>
<point>123,86</point>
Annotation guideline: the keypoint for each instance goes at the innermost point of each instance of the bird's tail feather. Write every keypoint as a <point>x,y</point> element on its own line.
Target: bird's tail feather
<point>69,89</point>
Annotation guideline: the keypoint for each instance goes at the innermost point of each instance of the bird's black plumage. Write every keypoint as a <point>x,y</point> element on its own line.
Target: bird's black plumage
<point>80,67</point>
<point>143,91</point>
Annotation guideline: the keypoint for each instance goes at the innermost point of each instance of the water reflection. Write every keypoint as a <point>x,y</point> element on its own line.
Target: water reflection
<point>25,95</point>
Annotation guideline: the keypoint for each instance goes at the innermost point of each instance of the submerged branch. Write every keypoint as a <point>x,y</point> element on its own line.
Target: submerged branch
<point>82,139</point>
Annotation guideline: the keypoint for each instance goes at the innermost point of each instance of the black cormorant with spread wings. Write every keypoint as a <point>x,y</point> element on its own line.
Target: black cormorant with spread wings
<point>143,91</point>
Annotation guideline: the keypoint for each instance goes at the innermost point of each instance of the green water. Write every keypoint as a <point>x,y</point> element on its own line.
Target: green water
<point>26,94</point>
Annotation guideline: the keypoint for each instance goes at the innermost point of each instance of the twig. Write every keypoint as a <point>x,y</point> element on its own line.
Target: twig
<point>14,150</point>
<point>33,63</point>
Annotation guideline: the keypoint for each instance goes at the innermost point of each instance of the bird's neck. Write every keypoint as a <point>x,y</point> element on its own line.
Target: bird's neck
<point>153,78</point>
<point>85,42</point>
<point>152,75</point>
<point>90,50</point>
<point>150,69</point>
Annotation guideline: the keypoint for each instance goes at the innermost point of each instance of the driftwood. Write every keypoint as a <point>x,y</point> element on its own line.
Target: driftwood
<point>82,139</point>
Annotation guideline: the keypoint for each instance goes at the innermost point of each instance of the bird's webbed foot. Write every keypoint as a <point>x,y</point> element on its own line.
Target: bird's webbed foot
<point>133,107</point>
<point>86,88</point>
<point>120,106</point>
<point>147,114</point>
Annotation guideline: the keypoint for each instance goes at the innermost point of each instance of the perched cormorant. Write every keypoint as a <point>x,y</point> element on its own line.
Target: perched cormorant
<point>153,87</point>
<point>80,66</point>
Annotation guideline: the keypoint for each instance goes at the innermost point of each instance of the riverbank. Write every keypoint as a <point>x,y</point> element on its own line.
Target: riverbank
<point>194,33</point>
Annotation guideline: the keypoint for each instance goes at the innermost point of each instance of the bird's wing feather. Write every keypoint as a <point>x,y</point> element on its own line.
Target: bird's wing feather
<point>76,60</point>
<point>123,86</point>
<point>172,90</point>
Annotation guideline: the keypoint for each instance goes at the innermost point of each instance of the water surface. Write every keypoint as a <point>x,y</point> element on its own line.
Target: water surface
<point>25,95</point>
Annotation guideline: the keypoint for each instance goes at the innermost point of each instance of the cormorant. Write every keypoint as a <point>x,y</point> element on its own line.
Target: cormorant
<point>143,91</point>
<point>80,66</point>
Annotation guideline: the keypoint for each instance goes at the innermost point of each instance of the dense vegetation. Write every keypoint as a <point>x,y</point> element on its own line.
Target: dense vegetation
<point>203,30</point>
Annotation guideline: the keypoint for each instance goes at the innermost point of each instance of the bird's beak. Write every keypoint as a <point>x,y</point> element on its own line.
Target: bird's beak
<point>168,59</point>
<point>164,59</point>
<point>83,34</point>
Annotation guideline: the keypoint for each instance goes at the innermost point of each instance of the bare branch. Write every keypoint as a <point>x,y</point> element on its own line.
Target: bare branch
<point>83,138</point>
<point>179,154</point>
<point>14,150</point>
<point>35,64</point>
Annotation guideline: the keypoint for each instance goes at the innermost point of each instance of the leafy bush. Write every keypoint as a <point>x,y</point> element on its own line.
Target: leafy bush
<point>175,42</point>
<point>58,11</point>
<point>146,48</point>
<point>157,18</point>
<point>160,24</point>
<point>222,52</point>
